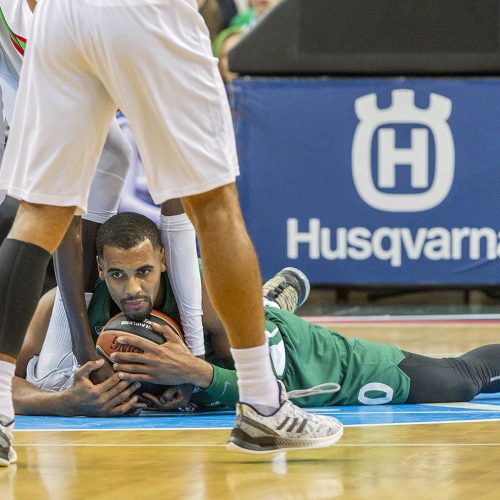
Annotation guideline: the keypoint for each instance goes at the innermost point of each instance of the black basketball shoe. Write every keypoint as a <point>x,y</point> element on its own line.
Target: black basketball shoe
<point>288,289</point>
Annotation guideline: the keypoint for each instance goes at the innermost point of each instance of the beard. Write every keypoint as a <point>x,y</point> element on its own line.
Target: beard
<point>137,314</point>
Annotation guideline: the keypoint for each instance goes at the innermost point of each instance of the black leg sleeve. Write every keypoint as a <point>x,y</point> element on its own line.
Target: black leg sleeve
<point>22,272</point>
<point>444,380</point>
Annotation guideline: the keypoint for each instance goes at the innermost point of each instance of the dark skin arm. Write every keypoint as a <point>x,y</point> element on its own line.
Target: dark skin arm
<point>170,363</point>
<point>35,335</point>
<point>69,267</point>
<point>111,398</point>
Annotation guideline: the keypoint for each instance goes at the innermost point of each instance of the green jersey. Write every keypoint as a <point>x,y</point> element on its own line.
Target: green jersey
<point>304,355</point>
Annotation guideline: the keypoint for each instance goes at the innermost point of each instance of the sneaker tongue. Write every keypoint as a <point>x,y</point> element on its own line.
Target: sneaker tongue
<point>265,410</point>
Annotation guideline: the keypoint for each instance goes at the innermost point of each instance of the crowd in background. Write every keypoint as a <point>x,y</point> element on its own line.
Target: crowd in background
<point>228,21</point>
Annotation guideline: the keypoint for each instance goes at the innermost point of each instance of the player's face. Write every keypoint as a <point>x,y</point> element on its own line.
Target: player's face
<point>133,277</point>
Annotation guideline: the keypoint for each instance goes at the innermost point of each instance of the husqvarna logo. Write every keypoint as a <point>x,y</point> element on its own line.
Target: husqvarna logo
<point>375,138</point>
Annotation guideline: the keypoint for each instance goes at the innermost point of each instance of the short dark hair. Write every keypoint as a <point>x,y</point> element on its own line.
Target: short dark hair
<point>127,230</point>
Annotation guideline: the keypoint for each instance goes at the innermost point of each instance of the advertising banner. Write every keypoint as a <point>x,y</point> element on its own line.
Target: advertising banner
<point>372,181</point>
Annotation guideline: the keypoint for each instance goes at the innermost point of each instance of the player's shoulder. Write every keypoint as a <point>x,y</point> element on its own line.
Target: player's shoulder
<point>17,15</point>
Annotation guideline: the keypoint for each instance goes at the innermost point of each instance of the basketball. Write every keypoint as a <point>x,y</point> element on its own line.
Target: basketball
<point>122,326</point>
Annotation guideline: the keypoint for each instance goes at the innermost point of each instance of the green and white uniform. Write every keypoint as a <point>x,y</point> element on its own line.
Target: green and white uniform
<point>303,355</point>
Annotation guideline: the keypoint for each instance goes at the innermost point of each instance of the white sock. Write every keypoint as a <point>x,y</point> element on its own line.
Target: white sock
<point>6,405</point>
<point>57,341</point>
<point>179,240</point>
<point>256,380</point>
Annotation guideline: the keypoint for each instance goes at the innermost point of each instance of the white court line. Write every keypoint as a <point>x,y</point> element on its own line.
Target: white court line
<point>436,325</point>
<point>467,406</point>
<point>404,318</point>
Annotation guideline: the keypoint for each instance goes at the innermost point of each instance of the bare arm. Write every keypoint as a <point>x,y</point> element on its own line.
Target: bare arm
<point>29,400</point>
<point>68,263</point>
<point>111,398</point>
<point>37,330</point>
<point>170,363</point>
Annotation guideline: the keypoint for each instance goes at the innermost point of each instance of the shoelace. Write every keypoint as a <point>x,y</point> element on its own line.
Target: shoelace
<point>313,391</point>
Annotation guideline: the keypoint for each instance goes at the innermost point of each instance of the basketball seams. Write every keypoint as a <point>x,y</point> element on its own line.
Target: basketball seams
<point>120,325</point>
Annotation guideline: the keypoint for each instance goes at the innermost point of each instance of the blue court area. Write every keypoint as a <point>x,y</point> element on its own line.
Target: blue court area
<point>484,407</point>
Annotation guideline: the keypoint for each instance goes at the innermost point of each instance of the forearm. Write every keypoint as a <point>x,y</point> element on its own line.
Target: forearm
<point>68,262</point>
<point>29,400</point>
<point>201,373</point>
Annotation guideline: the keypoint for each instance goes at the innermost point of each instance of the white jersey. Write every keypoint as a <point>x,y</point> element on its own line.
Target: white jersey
<point>15,28</point>
<point>15,25</point>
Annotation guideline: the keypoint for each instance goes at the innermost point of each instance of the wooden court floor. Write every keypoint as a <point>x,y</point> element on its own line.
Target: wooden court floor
<point>432,460</point>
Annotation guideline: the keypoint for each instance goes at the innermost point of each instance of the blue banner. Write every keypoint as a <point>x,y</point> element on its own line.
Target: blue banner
<point>372,181</point>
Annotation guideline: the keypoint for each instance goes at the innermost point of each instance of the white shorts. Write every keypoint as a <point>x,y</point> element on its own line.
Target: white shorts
<point>149,58</point>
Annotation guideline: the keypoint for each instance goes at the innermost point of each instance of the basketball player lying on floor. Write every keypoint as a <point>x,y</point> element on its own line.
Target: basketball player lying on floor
<point>131,265</point>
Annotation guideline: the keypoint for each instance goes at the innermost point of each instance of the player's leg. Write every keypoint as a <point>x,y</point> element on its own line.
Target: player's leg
<point>434,380</point>
<point>24,256</point>
<point>179,114</point>
<point>232,276</point>
<point>181,120</point>
<point>57,99</point>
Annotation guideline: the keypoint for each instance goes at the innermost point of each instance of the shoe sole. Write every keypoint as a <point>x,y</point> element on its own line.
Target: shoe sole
<point>304,280</point>
<point>242,442</point>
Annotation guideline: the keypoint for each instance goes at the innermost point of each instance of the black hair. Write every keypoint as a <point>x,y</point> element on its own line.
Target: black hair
<point>127,230</point>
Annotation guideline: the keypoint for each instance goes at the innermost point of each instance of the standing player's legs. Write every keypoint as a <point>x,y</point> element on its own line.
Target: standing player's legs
<point>175,101</point>
<point>60,121</point>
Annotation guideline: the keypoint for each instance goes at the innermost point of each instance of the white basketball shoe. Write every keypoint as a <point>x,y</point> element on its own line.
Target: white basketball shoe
<point>288,428</point>
<point>7,453</point>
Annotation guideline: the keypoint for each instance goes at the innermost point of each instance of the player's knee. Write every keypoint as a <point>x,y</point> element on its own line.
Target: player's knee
<point>41,225</point>
<point>215,208</point>
<point>464,391</point>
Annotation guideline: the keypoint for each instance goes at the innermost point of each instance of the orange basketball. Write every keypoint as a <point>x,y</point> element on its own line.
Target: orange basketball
<point>121,326</point>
